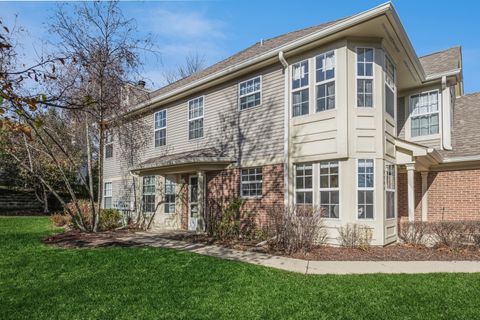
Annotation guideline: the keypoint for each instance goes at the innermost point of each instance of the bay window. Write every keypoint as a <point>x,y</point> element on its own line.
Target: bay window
<point>390,190</point>
<point>304,185</point>
<point>365,188</point>
<point>300,91</point>
<point>365,77</point>
<point>329,189</point>
<point>325,81</point>
<point>390,87</point>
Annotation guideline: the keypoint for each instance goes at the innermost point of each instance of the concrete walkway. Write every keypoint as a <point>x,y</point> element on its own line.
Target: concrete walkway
<point>306,266</point>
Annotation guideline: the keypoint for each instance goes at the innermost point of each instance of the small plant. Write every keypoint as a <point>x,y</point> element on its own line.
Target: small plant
<point>60,220</point>
<point>355,236</point>
<point>449,234</point>
<point>109,219</point>
<point>413,233</point>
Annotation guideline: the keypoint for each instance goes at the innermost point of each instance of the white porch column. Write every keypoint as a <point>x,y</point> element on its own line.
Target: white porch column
<point>411,190</point>
<point>201,201</point>
<point>424,195</point>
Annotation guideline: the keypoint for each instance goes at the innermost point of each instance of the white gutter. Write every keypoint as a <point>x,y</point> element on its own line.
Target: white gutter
<point>443,74</point>
<point>286,127</point>
<point>461,159</point>
<point>356,19</point>
<point>446,116</point>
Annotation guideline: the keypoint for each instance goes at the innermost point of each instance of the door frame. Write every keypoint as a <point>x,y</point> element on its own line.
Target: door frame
<point>190,199</point>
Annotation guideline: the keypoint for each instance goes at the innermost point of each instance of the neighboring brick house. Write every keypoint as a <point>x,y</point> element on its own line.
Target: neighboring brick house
<point>343,116</point>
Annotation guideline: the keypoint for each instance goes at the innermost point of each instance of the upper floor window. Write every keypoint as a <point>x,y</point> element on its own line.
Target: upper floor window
<point>390,190</point>
<point>390,87</point>
<point>108,144</point>
<point>251,182</point>
<point>329,189</point>
<point>365,188</point>
<point>250,93</point>
<point>160,128</point>
<point>148,194</point>
<point>365,77</point>
<point>304,184</point>
<point>107,195</point>
<point>169,206</point>
<point>325,81</point>
<point>424,113</point>
<point>195,118</point>
<point>300,95</point>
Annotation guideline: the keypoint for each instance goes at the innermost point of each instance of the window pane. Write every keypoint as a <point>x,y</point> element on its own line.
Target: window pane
<point>300,103</point>
<point>389,101</point>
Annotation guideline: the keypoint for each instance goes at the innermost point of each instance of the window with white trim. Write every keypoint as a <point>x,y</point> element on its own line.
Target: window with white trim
<point>108,144</point>
<point>390,191</point>
<point>300,95</point>
<point>365,77</point>
<point>325,81</point>
<point>148,194</point>
<point>160,128</point>
<point>195,118</point>
<point>170,185</point>
<point>250,93</point>
<point>107,195</point>
<point>390,87</point>
<point>365,188</point>
<point>329,189</point>
<point>304,184</point>
<point>424,114</point>
<point>251,180</point>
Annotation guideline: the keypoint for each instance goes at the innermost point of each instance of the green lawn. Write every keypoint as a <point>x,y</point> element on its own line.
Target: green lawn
<point>42,282</point>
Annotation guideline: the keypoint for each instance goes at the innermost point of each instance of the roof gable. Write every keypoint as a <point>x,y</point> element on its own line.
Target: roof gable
<point>442,61</point>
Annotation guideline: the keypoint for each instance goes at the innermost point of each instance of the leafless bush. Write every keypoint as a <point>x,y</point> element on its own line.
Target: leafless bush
<point>355,236</point>
<point>297,229</point>
<point>414,233</point>
<point>450,234</point>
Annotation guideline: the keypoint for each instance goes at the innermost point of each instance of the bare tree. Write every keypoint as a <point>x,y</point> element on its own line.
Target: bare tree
<point>193,63</point>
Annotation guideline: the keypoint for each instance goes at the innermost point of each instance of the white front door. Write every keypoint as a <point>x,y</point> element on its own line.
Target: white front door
<point>193,203</point>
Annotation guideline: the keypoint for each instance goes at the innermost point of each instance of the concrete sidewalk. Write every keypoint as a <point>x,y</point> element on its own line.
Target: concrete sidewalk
<point>307,266</point>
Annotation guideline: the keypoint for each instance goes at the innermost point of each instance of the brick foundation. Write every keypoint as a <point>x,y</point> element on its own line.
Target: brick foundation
<point>452,195</point>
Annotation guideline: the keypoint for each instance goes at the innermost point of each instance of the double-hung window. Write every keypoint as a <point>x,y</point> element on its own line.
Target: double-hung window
<point>365,77</point>
<point>325,81</point>
<point>195,118</point>
<point>107,195</point>
<point>251,182</point>
<point>169,195</point>
<point>250,93</point>
<point>365,188</point>
<point>329,189</point>
<point>390,190</point>
<point>304,185</point>
<point>390,87</point>
<point>148,194</point>
<point>108,144</point>
<point>161,128</point>
<point>300,95</point>
<point>424,114</point>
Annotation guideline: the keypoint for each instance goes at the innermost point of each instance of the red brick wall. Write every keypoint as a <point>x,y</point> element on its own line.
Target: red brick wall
<point>225,184</point>
<point>452,195</point>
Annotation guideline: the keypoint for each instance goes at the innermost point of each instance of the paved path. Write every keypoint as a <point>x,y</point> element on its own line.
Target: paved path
<point>306,266</point>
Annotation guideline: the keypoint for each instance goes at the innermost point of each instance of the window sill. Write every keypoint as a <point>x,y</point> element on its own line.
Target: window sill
<point>250,108</point>
<point>426,137</point>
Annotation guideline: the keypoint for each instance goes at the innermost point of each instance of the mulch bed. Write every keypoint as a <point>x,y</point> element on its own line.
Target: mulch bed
<point>398,252</point>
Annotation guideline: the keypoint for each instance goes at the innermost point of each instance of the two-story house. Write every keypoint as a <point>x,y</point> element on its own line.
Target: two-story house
<point>343,116</point>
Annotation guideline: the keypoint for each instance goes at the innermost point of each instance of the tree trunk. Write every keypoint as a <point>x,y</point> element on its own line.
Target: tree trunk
<point>90,175</point>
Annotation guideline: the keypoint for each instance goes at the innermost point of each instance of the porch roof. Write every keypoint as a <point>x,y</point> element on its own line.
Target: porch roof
<point>207,156</point>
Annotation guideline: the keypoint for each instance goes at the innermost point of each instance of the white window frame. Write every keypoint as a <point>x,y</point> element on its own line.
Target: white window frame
<point>305,87</point>
<point>108,143</point>
<point>202,117</point>
<point>155,129</point>
<point>170,182</point>
<point>410,109</point>
<point>324,82</point>
<point>243,183</point>
<point>329,189</point>
<point>107,194</point>
<point>389,182</point>
<point>365,189</point>
<point>149,193</point>
<point>392,86</point>
<point>240,95</point>
<point>372,77</point>
<point>304,189</point>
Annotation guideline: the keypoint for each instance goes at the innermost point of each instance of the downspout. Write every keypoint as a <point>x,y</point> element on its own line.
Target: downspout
<point>286,129</point>
<point>446,116</point>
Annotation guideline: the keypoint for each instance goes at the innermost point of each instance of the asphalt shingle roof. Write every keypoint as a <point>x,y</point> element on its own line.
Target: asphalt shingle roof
<point>441,61</point>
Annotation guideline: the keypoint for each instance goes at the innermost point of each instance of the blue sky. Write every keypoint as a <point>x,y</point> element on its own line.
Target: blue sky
<point>217,29</point>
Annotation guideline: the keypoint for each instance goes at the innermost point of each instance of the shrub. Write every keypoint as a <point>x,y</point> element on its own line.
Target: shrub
<point>355,236</point>
<point>297,229</point>
<point>109,219</point>
<point>448,233</point>
<point>413,232</point>
<point>85,208</point>
<point>61,220</point>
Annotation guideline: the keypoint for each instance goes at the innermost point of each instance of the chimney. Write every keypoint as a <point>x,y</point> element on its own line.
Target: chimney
<point>141,83</point>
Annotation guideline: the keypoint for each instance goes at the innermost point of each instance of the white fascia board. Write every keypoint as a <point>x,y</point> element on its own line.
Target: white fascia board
<point>461,159</point>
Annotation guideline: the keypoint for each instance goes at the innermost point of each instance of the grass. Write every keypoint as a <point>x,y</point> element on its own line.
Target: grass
<point>40,282</point>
